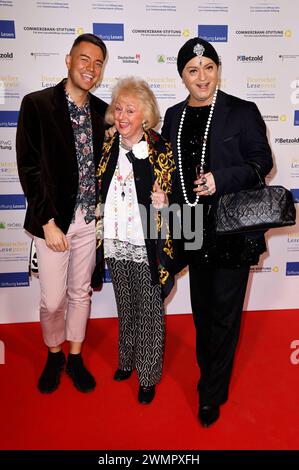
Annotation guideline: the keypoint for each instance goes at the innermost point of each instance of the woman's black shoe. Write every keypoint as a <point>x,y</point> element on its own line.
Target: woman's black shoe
<point>146,394</point>
<point>122,375</point>
<point>208,414</point>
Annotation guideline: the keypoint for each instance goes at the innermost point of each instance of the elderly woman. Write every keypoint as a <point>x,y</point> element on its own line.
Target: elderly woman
<point>135,175</point>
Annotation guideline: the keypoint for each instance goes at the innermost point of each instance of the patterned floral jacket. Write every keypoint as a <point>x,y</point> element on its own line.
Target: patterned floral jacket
<point>158,166</point>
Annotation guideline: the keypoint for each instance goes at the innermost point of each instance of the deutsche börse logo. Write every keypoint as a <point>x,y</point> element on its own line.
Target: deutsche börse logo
<point>296,117</point>
<point>213,33</point>
<point>109,31</point>
<point>9,118</point>
<point>292,268</point>
<point>7,29</point>
<point>12,202</point>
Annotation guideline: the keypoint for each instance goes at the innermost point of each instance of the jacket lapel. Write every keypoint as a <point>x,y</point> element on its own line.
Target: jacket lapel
<point>62,120</point>
<point>219,118</point>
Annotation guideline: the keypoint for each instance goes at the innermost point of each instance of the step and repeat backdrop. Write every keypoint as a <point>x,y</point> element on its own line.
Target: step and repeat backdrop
<point>258,42</point>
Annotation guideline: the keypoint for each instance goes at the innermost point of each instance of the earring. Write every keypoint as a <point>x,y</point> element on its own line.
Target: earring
<point>143,125</point>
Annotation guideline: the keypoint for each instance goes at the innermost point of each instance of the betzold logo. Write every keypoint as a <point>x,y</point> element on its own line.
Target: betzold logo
<point>295,193</point>
<point>12,202</point>
<point>14,279</point>
<point>250,58</point>
<point>213,33</point>
<point>9,118</point>
<point>292,268</point>
<point>6,55</point>
<point>294,357</point>
<point>296,117</point>
<point>2,352</point>
<point>109,31</point>
<point>2,225</point>
<point>7,29</point>
<point>286,141</point>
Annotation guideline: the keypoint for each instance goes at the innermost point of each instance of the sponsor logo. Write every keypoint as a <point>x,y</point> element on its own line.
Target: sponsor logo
<point>292,268</point>
<point>288,56</point>
<point>51,30</point>
<point>293,242</point>
<point>10,225</point>
<point>250,58</point>
<point>164,59</point>
<point>49,80</point>
<point>7,29</point>
<point>213,7</point>
<point>107,5</point>
<point>52,4</point>
<point>261,33</point>
<point>6,55</point>
<point>213,33</point>
<point>5,145</point>
<point>296,117</point>
<point>286,141</point>
<point>161,32</point>
<point>261,87</point>
<point>165,6</point>
<point>37,55</point>
<point>262,269</point>
<point>295,193</point>
<point>12,202</point>
<point>294,168</point>
<point>109,31</point>
<point>9,118</point>
<point>9,172</point>
<point>14,279</point>
<point>129,59</point>
<point>295,93</point>
<point>264,7</point>
<point>275,117</point>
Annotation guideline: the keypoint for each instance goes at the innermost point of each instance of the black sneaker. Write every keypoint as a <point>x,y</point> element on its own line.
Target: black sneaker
<point>81,377</point>
<point>50,377</point>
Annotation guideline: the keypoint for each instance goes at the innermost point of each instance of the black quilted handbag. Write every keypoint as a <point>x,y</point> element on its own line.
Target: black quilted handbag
<point>255,209</point>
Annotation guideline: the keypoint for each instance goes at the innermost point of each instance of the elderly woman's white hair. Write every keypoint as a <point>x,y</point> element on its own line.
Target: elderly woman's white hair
<point>139,88</point>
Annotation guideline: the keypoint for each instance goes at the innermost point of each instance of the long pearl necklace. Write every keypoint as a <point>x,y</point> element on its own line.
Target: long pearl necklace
<point>203,150</point>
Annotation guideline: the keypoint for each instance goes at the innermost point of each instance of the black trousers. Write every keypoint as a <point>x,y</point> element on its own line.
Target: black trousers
<point>217,297</point>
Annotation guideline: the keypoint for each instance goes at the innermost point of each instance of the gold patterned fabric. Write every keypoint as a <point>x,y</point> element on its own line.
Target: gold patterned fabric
<point>162,163</point>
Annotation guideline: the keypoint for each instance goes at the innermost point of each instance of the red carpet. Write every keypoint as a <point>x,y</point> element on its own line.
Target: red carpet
<point>262,413</point>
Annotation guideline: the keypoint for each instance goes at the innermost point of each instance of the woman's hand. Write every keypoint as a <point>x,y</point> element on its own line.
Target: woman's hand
<point>205,185</point>
<point>159,197</point>
<point>110,132</point>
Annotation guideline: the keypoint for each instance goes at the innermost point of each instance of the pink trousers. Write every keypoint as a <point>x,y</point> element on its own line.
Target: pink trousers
<point>65,284</point>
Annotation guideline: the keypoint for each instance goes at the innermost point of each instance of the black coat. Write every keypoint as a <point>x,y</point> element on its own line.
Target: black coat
<point>46,156</point>
<point>237,136</point>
